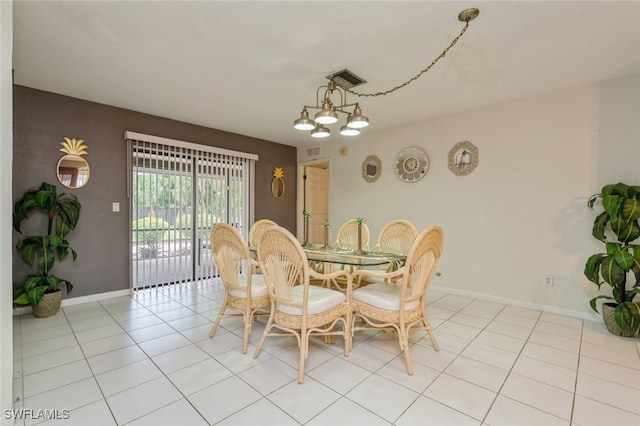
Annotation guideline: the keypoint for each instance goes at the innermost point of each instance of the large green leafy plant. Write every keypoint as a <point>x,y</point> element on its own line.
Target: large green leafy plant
<point>621,204</point>
<point>41,251</point>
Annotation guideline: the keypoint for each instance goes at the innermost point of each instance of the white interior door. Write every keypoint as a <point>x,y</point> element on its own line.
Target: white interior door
<point>317,201</point>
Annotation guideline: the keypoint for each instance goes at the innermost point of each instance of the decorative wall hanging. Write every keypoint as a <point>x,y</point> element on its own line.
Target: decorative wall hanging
<point>73,169</point>
<point>412,164</point>
<point>463,158</point>
<point>371,168</point>
<point>277,184</point>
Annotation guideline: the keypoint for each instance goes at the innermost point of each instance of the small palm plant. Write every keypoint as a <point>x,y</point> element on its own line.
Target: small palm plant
<point>360,221</point>
<point>326,225</point>
<point>306,214</point>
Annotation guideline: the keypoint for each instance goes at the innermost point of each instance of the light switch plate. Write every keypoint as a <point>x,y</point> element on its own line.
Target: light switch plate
<point>116,207</point>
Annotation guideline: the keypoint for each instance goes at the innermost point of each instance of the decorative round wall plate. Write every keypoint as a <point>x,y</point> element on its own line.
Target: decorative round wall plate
<point>463,158</point>
<point>412,164</point>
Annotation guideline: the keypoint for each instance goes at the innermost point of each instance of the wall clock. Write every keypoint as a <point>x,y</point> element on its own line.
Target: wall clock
<point>412,164</point>
<point>463,158</point>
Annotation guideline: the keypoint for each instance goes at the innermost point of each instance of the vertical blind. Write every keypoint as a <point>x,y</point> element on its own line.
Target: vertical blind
<point>178,191</point>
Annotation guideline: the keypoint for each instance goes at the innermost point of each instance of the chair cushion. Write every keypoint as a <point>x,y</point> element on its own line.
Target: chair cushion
<point>320,300</point>
<point>258,287</point>
<point>382,296</point>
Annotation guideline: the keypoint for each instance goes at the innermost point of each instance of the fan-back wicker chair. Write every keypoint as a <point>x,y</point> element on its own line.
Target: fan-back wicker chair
<point>257,229</point>
<point>348,236</point>
<point>297,307</point>
<point>245,292</point>
<point>396,237</point>
<point>399,305</point>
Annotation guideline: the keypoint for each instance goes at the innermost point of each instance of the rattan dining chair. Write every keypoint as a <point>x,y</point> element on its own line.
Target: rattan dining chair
<point>257,229</point>
<point>347,236</point>
<point>399,305</point>
<point>396,237</point>
<point>298,308</point>
<point>245,292</point>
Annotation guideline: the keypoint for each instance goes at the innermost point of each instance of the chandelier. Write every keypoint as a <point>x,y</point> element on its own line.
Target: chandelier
<point>329,109</point>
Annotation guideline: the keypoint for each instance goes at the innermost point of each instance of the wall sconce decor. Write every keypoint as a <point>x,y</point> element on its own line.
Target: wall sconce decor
<point>463,158</point>
<point>371,168</point>
<point>412,164</point>
<point>277,184</point>
<point>72,169</point>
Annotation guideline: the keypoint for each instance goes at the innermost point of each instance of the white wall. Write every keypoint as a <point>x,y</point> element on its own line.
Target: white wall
<point>521,215</point>
<point>6,154</point>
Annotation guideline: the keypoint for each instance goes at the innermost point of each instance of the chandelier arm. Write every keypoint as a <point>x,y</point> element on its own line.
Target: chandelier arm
<point>339,108</point>
<point>417,76</point>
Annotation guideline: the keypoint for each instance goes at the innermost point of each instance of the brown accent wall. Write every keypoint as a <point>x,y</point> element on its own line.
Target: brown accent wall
<point>42,119</point>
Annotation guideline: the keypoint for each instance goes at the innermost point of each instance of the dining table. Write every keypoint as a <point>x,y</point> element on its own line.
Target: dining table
<point>323,257</point>
<point>343,256</point>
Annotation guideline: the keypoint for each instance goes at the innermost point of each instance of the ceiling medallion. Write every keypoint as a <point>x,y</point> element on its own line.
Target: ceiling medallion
<point>412,164</point>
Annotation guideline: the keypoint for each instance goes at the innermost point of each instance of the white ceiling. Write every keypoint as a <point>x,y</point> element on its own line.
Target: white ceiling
<point>249,67</point>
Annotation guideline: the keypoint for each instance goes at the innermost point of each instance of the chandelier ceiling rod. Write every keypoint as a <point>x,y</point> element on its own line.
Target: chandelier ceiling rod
<point>356,120</point>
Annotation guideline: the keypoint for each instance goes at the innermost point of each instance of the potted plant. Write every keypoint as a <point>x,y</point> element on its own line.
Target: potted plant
<point>41,289</point>
<point>617,227</point>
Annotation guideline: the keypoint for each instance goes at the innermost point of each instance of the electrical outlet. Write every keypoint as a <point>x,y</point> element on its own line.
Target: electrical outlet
<point>115,207</point>
<point>548,281</point>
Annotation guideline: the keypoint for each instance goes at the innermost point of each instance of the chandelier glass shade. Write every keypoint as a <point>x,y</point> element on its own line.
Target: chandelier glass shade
<point>328,109</point>
<point>320,131</point>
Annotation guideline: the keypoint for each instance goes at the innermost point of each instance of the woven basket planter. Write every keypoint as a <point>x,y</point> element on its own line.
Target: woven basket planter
<point>611,324</point>
<point>49,305</point>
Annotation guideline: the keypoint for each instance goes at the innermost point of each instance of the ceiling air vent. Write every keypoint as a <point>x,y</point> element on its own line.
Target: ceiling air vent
<point>313,152</point>
<point>346,79</point>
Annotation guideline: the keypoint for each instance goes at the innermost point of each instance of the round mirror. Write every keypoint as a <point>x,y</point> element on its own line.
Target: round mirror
<point>371,168</point>
<point>73,171</point>
<point>277,184</point>
<point>277,187</point>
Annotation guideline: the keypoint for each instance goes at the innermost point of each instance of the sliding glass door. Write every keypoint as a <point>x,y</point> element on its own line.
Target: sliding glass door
<point>178,192</point>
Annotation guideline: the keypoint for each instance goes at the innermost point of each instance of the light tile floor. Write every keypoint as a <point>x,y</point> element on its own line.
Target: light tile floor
<point>148,360</point>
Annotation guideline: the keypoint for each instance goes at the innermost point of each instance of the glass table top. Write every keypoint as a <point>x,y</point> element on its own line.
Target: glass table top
<point>350,257</point>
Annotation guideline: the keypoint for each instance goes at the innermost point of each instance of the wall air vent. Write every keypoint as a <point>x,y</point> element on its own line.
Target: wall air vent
<point>313,152</point>
<point>346,79</point>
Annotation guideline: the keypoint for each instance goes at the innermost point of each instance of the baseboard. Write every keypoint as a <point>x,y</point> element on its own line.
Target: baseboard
<point>520,303</point>
<point>77,300</point>
<point>480,296</point>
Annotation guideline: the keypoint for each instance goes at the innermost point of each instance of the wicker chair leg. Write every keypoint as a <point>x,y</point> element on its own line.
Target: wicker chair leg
<point>348,335</point>
<point>264,334</point>
<point>407,358</point>
<point>259,348</point>
<point>218,318</point>
<point>433,338</point>
<point>247,330</point>
<point>403,335</point>
<point>304,344</point>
